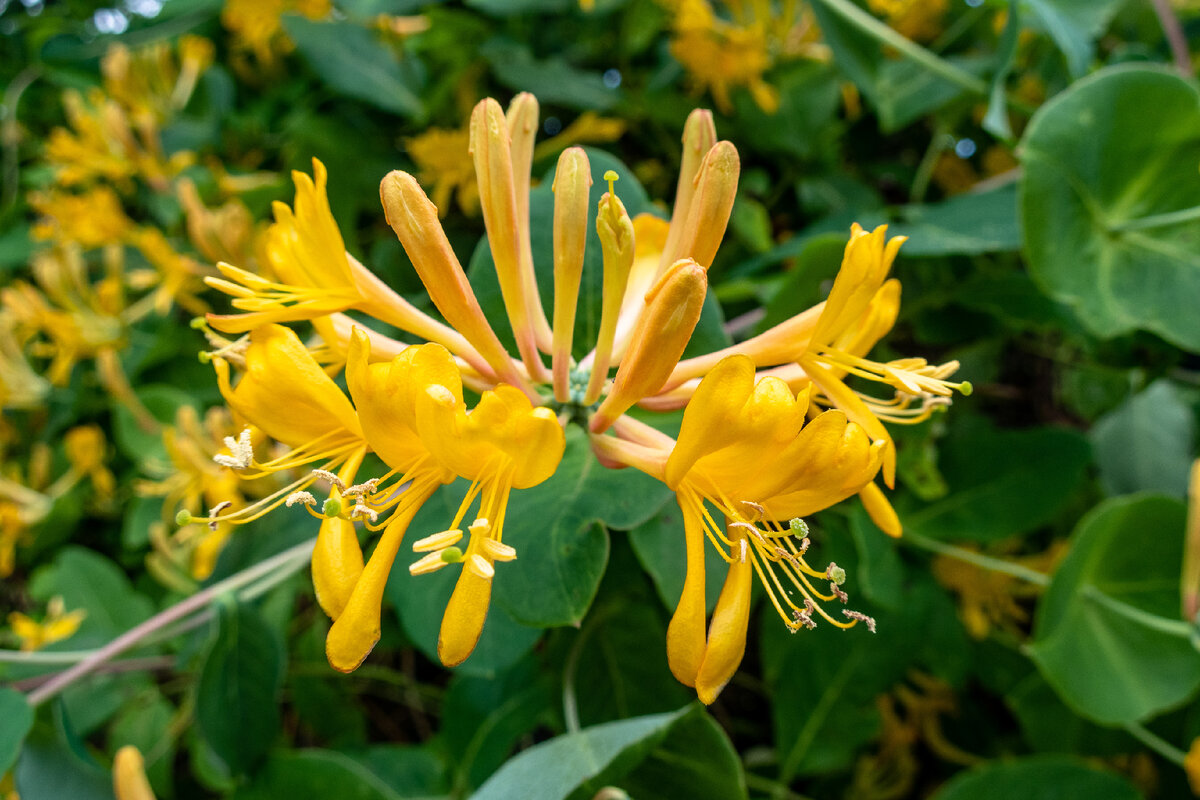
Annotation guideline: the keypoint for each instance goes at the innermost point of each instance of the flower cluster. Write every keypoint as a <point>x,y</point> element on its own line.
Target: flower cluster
<point>771,431</point>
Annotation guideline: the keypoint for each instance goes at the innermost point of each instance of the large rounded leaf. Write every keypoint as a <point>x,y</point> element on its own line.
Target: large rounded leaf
<point>1109,198</point>
<point>1038,779</point>
<point>1107,635</point>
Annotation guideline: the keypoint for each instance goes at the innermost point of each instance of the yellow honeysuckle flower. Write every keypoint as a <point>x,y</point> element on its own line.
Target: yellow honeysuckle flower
<point>919,20</point>
<point>85,449</point>
<point>12,529</point>
<point>439,156</point>
<point>224,233</point>
<point>54,627</point>
<point>744,449</point>
<point>92,219</point>
<point>503,444</point>
<point>20,385</point>
<point>148,81</point>
<point>316,275</point>
<point>129,775</point>
<point>990,599</point>
<point>257,27</point>
<point>721,54</point>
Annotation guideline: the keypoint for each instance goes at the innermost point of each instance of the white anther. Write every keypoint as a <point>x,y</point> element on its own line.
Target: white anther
<point>241,451</point>
<point>361,510</point>
<point>360,489</point>
<point>329,476</point>
<point>214,511</point>
<point>300,497</point>
<point>479,527</point>
<point>742,556</point>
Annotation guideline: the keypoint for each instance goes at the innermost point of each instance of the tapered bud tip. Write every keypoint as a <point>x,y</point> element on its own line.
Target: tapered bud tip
<point>699,127</point>
<point>724,158</point>
<point>184,517</point>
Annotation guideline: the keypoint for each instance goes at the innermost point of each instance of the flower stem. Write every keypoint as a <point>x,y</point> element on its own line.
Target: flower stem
<point>279,566</point>
<point>1156,743</point>
<point>882,33</point>
<point>978,559</point>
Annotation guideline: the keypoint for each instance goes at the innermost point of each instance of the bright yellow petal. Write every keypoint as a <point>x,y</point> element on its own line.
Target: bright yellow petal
<point>463,621</point>
<point>337,563</point>
<point>685,634</point>
<point>129,775</point>
<point>727,632</point>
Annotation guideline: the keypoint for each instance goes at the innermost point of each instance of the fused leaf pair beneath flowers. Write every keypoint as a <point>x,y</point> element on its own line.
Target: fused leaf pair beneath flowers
<point>755,446</point>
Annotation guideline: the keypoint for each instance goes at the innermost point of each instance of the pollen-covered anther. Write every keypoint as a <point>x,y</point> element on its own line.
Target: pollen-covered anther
<point>480,527</point>
<point>216,510</point>
<point>480,567</point>
<point>835,573</point>
<point>431,562</point>
<point>361,489</point>
<point>742,554</point>
<point>437,541</point>
<point>241,451</point>
<point>498,551</point>
<point>302,497</point>
<point>837,592</point>
<point>803,617</point>
<point>860,617</point>
<point>363,511</point>
<point>759,511</point>
<point>331,478</point>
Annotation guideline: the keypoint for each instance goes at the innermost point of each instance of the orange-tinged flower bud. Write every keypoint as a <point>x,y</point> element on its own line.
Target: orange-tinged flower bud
<point>522,119</point>
<point>672,310</point>
<point>491,148</point>
<point>414,219</point>
<point>710,206</point>
<point>699,136</point>
<point>572,182</point>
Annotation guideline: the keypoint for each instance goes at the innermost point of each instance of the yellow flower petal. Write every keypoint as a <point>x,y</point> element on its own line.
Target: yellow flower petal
<point>337,563</point>
<point>685,634</point>
<point>129,775</point>
<point>727,632</point>
<point>463,621</point>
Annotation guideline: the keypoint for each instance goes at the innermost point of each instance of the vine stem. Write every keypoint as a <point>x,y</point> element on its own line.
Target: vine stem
<point>978,559</point>
<point>281,565</point>
<point>1156,743</point>
<point>1176,38</point>
<point>881,32</point>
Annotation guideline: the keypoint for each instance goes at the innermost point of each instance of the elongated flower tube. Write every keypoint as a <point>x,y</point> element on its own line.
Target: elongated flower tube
<point>129,775</point>
<point>572,180</point>
<point>709,207</point>
<point>699,136</point>
<point>491,147</point>
<point>744,449</point>
<point>522,119</point>
<point>414,219</point>
<point>672,310</point>
<point>503,444</point>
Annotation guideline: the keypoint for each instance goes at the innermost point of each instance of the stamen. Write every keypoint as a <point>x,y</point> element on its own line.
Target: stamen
<point>860,617</point>
<point>362,510</point>
<point>430,563</point>
<point>360,489</point>
<point>241,452</point>
<point>300,497</point>
<point>479,527</point>
<point>332,478</point>
<point>498,551</point>
<point>480,567</point>
<point>216,510</point>
<point>437,541</point>
<point>837,592</point>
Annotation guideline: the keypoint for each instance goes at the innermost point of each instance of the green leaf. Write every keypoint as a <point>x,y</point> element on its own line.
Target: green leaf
<point>1002,482</point>
<point>352,62</point>
<point>1045,778</point>
<point>50,769</point>
<point>1073,25</point>
<point>1107,634</point>
<point>145,723</point>
<point>237,695</point>
<point>580,764</point>
<point>1146,443</point>
<point>316,773</point>
<point>89,581</point>
<point>659,546</point>
<point>1050,727</point>
<point>553,80</point>
<point>968,224</point>
<point>16,718</point>
<point>1109,202</point>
